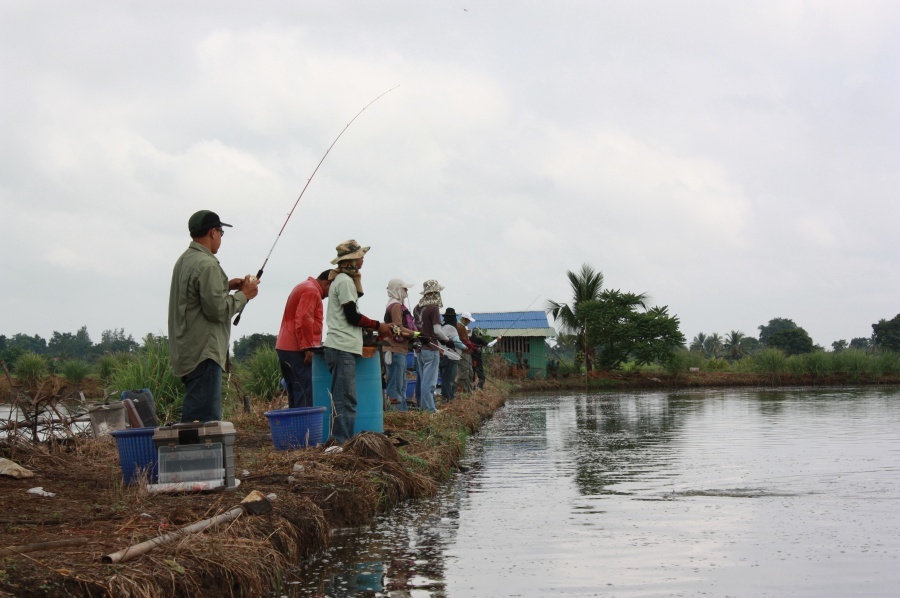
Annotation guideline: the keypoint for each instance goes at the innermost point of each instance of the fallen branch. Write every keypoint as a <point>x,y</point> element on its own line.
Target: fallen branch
<point>251,505</point>
<point>36,546</point>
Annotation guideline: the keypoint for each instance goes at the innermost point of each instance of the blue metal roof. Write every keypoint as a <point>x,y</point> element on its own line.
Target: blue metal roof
<point>507,322</point>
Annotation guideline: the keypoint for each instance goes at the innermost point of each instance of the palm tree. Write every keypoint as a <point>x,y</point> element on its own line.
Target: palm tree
<point>697,344</point>
<point>713,345</point>
<point>586,286</point>
<point>733,344</point>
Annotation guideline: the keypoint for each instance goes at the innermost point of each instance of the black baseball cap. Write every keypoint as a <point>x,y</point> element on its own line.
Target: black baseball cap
<point>200,222</point>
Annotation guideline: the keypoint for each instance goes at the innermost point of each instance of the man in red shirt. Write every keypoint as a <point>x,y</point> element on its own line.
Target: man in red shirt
<point>301,331</point>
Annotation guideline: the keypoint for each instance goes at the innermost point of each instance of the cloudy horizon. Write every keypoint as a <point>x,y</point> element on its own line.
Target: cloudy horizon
<point>736,162</point>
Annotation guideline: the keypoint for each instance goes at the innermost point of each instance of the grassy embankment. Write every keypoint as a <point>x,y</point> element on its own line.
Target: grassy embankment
<point>316,493</point>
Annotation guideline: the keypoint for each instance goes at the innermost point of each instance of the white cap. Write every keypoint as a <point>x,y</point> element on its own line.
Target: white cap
<point>467,316</point>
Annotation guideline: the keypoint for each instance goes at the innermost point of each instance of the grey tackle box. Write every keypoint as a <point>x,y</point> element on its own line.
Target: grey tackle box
<point>206,434</point>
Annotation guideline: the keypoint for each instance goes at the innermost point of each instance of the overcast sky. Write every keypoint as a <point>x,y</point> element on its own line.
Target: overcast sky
<point>736,161</point>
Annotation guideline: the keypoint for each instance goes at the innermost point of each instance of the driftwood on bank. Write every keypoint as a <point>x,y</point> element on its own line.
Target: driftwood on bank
<point>255,504</point>
<point>37,546</point>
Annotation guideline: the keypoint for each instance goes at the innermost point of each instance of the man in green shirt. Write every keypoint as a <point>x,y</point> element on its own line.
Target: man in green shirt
<point>201,306</point>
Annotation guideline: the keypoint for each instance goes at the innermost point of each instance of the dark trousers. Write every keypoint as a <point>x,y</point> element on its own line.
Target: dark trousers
<point>298,377</point>
<point>342,366</point>
<point>478,366</point>
<point>203,393</point>
<point>448,378</point>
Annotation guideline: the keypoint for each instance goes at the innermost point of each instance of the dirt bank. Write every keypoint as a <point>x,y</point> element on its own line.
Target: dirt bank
<point>316,493</point>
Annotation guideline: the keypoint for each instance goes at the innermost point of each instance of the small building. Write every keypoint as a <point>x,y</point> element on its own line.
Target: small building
<point>524,337</point>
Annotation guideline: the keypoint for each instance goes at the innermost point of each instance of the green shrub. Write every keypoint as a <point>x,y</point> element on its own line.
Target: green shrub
<point>886,363</point>
<point>744,365</point>
<point>150,368</point>
<point>854,363</point>
<point>108,363</point>
<point>770,362</point>
<point>716,364</point>
<point>678,362</point>
<point>260,374</point>
<point>75,371</point>
<point>31,369</point>
<point>817,364</point>
<point>795,365</point>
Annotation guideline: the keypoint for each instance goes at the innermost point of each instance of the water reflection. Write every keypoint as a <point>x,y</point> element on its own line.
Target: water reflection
<point>744,493</point>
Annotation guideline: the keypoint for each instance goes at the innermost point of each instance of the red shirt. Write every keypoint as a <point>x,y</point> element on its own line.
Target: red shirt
<point>301,325</point>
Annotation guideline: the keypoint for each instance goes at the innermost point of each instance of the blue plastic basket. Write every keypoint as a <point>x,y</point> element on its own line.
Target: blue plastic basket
<point>296,428</point>
<point>137,453</point>
<point>410,388</point>
<point>410,361</point>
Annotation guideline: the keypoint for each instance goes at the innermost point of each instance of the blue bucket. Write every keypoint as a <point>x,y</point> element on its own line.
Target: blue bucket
<point>296,428</point>
<point>410,388</point>
<point>137,453</point>
<point>410,361</point>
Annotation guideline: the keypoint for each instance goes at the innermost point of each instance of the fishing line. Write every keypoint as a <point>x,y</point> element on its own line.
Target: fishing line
<point>291,213</point>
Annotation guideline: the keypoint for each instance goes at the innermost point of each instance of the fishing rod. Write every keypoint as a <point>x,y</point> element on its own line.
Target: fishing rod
<point>259,274</point>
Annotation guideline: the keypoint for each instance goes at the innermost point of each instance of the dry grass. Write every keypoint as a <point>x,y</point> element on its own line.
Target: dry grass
<point>316,493</point>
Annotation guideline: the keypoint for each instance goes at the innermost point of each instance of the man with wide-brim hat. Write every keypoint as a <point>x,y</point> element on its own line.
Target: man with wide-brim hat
<point>427,315</point>
<point>201,306</point>
<point>344,339</point>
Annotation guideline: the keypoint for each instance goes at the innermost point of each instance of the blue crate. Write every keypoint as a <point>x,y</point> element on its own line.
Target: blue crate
<point>296,428</point>
<point>137,453</point>
<point>410,361</point>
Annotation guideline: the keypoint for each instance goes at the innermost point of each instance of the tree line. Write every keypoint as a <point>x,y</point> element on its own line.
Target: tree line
<point>606,328</point>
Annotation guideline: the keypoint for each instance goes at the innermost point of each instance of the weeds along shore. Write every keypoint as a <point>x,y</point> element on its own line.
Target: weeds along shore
<point>92,513</point>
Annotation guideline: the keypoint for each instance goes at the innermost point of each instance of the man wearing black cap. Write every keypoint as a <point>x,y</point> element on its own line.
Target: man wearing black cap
<point>201,306</point>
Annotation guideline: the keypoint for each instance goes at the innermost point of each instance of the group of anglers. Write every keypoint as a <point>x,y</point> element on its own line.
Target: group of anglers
<point>203,301</point>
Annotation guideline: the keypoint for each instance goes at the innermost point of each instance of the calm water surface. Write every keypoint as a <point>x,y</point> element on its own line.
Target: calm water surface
<point>728,493</point>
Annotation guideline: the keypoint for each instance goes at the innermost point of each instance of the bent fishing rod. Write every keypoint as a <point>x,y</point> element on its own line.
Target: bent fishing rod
<point>259,274</point>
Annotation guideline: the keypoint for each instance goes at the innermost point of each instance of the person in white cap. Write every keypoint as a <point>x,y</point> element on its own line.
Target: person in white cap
<point>465,374</point>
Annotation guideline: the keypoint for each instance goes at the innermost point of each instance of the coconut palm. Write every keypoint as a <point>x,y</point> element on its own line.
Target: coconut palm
<point>697,344</point>
<point>713,345</point>
<point>586,286</point>
<point>733,344</point>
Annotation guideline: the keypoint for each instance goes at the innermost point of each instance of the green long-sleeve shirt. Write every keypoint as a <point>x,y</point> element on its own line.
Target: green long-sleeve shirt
<point>200,310</point>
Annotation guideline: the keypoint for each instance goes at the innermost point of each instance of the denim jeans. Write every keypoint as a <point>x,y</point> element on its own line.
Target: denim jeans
<point>428,373</point>
<point>448,378</point>
<point>203,393</point>
<point>342,366</point>
<point>297,376</point>
<point>396,378</point>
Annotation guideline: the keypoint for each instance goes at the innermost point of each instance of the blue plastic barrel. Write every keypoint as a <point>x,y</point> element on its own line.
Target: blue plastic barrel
<point>369,399</point>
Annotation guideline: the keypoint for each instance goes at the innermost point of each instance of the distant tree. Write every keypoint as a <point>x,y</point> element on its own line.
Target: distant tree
<point>586,285</point>
<point>860,342</point>
<point>247,345</point>
<point>620,327</point>
<point>698,343</point>
<point>774,326</point>
<point>713,345</point>
<point>838,346</point>
<point>886,334</point>
<point>28,344</point>
<point>749,345</point>
<point>66,345</point>
<point>115,341</point>
<point>733,344</point>
<point>793,341</point>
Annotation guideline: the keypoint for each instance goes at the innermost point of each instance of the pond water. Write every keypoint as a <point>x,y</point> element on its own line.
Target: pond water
<point>726,493</point>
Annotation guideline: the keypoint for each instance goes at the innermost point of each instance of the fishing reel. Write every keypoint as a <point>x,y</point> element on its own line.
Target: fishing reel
<point>415,344</point>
